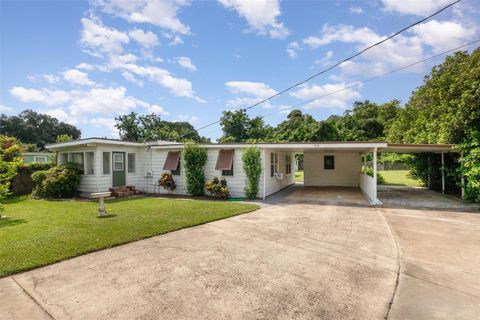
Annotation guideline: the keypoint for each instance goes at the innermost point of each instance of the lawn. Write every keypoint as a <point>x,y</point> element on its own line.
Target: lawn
<point>299,176</point>
<point>399,178</point>
<point>39,232</point>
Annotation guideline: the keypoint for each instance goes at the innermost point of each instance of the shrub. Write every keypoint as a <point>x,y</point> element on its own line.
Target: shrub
<point>194,159</point>
<point>218,188</point>
<point>22,183</point>
<point>166,181</point>
<point>8,170</point>
<point>253,170</point>
<point>57,182</point>
<point>380,178</point>
<point>470,169</point>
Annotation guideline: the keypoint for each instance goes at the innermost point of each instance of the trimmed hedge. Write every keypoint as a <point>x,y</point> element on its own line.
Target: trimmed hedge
<point>253,169</point>
<point>194,159</point>
<point>57,182</point>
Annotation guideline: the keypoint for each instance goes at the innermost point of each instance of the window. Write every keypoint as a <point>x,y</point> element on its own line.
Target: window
<point>177,171</point>
<point>225,162</point>
<point>89,163</point>
<point>131,162</point>
<point>39,159</point>
<point>288,164</point>
<point>228,173</point>
<point>63,158</point>
<point>273,164</point>
<point>106,162</point>
<point>77,158</point>
<point>328,162</point>
<point>118,162</point>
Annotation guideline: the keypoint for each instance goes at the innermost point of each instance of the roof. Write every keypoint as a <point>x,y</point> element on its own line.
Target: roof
<point>360,146</point>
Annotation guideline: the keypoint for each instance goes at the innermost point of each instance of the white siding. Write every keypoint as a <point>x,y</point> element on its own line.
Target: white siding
<point>367,185</point>
<point>158,158</point>
<point>345,174</point>
<point>273,184</point>
<point>236,183</point>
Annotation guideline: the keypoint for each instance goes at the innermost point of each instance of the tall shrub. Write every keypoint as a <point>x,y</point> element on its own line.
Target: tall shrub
<point>253,169</point>
<point>194,159</point>
<point>57,182</point>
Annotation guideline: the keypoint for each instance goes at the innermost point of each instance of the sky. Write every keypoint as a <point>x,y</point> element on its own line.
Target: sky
<point>87,62</point>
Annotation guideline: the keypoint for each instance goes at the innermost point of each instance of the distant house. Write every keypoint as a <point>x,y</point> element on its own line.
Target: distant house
<point>29,157</point>
<point>107,163</point>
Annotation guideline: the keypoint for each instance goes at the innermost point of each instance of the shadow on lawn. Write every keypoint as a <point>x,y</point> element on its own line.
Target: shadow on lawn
<point>8,222</point>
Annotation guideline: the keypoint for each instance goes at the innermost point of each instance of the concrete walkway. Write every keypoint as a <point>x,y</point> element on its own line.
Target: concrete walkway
<point>284,261</point>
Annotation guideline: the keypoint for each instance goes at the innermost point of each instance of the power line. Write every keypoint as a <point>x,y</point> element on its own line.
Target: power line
<point>341,62</point>
<point>363,81</point>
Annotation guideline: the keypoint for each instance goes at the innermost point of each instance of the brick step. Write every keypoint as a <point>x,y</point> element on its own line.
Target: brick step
<point>125,191</point>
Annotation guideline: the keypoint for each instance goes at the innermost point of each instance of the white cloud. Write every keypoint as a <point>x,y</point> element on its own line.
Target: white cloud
<point>112,100</point>
<point>49,78</point>
<point>99,39</point>
<point>186,63</point>
<point>443,35</point>
<point>77,77</point>
<point>61,115</point>
<point>145,39</point>
<point>335,95</point>
<point>85,66</point>
<point>261,16</point>
<point>356,10</point>
<point>414,7</point>
<point>130,78</point>
<point>187,118</point>
<point>103,123</point>
<point>256,89</point>
<point>292,49</point>
<point>342,33</point>
<point>6,109</point>
<point>162,13</point>
<point>326,60</point>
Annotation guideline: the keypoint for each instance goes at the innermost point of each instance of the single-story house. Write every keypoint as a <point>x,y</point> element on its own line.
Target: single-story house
<point>29,157</point>
<point>107,163</point>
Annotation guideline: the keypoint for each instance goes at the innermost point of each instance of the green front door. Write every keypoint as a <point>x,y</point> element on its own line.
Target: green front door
<point>118,166</point>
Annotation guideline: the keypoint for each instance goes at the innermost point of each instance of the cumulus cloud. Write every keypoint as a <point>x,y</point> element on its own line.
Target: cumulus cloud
<point>186,63</point>
<point>292,49</point>
<point>77,77</point>
<point>187,118</point>
<point>256,89</point>
<point>108,123</point>
<point>130,78</point>
<point>335,95</point>
<point>261,16</point>
<point>414,7</point>
<point>85,66</point>
<point>355,10</point>
<point>99,39</point>
<point>162,13</point>
<point>61,115</point>
<point>145,39</point>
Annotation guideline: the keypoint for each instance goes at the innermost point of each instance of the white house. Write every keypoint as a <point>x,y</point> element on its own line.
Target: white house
<point>107,163</point>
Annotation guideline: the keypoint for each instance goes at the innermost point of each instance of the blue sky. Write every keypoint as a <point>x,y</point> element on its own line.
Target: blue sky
<point>87,62</point>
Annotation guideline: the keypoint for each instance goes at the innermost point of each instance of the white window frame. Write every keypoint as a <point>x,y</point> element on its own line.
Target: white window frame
<point>123,161</point>
<point>60,157</point>
<point>85,163</point>
<point>288,162</point>
<point>134,162</point>
<point>109,165</point>
<point>275,163</point>
<point>70,157</point>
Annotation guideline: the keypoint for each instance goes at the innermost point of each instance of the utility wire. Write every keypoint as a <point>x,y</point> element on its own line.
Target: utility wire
<point>341,62</point>
<point>361,82</point>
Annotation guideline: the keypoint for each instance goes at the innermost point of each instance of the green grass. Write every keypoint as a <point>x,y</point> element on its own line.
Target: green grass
<point>399,178</point>
<point>299,176</point>
<point>35,233</point>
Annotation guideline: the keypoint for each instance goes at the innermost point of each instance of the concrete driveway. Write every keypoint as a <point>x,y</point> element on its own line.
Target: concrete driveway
<point>284,261</point>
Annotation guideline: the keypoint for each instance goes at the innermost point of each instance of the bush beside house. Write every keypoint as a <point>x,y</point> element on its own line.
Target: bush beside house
<point>57,182</point>
<point>253,169</point>
<point>194,159</point>
<point>218,188</point>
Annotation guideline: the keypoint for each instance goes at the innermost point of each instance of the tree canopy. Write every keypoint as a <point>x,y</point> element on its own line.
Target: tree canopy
<point>237,127</point>
<point>149,127</point>
<point>31,127</point>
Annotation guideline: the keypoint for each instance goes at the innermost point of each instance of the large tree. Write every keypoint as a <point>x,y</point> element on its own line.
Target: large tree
<point>237,126</point>
<point>446,109</point>
<point>35,128</point>
<point>298,127</point>
<point>149,127</point>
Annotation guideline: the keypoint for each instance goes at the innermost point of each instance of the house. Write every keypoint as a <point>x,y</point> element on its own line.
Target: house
<point>29,157</point>
<point>106,163</point>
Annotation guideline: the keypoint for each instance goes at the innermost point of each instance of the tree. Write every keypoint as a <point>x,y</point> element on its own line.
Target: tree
<point>445,109</point>
<point>194,159</point>
<point>148,127</point>
<point>36,128</point>
<point>64,138</point>
<point>238,127</point>
<point>298,127</point>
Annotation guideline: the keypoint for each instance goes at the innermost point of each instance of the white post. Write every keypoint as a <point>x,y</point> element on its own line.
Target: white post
<point>365,163</point>
<point>375,175</point>
<point>264,173</point>
<point>443,172</point>
<point>101,207</point>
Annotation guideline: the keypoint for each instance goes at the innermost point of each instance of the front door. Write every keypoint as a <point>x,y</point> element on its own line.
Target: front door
<point>118,166</point>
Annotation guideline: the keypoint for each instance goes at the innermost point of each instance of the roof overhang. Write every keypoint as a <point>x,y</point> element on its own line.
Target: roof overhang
<point>93,142</point>
<point>418,148</point>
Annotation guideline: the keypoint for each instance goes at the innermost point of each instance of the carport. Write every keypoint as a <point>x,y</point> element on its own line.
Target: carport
<point>333,168</point>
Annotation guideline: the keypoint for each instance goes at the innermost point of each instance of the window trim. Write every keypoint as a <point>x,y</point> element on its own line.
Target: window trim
<point>70,156</point>
<point>134,162</point>
<point>85,163</point>
<point>288,163</point>
<point>178,171</point>
<point>109,164</point>
<point>45,159</point>
<point>122,162</point>
<point>274,164</point>
<point>229,173</point>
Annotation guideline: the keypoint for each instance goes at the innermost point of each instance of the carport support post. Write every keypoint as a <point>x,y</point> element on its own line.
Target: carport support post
<point>443,172</point>
<point>375,174</point>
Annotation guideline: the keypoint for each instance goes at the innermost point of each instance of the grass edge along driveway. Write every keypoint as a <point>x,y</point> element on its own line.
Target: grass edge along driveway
<point>36,233</point>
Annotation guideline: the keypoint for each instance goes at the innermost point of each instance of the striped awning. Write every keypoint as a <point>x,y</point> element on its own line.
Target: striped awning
<point>224,160</point>
<point>171,163</point>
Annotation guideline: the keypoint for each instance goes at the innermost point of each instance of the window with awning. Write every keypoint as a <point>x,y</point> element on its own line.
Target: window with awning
<point>225,162</point>
<point>172,161</point>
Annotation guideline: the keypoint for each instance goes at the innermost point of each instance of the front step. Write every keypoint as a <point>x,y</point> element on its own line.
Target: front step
<point>124,191</point>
